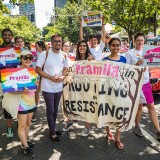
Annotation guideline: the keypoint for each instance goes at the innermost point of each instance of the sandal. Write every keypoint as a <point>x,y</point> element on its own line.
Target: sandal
<point>119,145</point>
<point>110,136</point>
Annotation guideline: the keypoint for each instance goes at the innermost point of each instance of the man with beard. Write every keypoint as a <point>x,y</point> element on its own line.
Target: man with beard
<point>52,66</point>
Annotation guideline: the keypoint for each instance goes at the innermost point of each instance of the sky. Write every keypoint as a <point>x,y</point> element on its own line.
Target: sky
<point>43,11</point>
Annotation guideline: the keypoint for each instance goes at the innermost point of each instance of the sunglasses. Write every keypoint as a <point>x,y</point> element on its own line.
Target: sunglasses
<point>26,58</point>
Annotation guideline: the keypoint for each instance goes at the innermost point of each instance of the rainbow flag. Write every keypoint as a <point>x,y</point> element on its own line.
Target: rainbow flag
<point>16,79</point>
<point>9,56</point>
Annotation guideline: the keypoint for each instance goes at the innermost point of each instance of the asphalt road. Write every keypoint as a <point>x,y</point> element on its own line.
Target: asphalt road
<point>75,147</point>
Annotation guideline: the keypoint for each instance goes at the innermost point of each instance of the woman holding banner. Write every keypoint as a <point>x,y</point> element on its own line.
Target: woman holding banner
<point>67,123</point>
<point>115,46</point>
<point>83,53</point>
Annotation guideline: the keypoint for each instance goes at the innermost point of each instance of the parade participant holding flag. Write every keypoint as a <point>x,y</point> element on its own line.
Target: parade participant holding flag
<point>134,57</point>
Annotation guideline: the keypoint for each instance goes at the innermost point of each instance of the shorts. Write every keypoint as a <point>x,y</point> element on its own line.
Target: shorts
<point>28,111</point>
<point>147,94</point>
<point>7,115</point>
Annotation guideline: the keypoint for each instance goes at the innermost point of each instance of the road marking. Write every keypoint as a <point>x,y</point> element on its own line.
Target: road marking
<point>148,136</point>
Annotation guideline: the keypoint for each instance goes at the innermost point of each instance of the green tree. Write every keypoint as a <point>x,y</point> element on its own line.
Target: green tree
<point>20,26</point>
<point>4,9</point>
<point>132,15</point>
<point>49,30</point>
<point>67,22</point>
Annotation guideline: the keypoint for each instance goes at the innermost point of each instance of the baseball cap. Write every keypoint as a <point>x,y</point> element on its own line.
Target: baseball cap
<point>26,52</point>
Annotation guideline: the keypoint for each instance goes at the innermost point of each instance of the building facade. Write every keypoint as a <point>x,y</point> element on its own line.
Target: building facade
<point>28,10</point>
<point>60,3</point>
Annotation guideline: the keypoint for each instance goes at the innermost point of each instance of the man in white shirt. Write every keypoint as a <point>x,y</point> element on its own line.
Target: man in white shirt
<point>96,50</point>
<point>134,56</point>
<point>55,67</point>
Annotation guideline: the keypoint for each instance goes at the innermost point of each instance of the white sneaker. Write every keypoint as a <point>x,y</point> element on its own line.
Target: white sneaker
<point>85,132</point>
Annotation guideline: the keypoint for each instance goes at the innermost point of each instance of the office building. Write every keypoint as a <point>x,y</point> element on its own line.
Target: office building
<point>28,10</point>
<point>60,3</point>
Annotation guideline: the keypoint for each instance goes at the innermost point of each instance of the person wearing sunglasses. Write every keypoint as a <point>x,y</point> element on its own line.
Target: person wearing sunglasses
<point>25,107</point>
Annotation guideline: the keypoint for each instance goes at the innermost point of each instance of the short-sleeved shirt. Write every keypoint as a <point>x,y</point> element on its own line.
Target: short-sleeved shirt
<point>97,52</point>
<point>121,59</point>
<point>132,57</point>
<point>54,65</point>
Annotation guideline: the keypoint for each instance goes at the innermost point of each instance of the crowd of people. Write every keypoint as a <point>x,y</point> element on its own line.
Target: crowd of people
<point>51,67</point>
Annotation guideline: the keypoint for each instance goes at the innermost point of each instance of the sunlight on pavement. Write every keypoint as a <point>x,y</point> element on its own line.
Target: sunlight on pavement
<point>37,138</point>
<point>12,145</point>
<point>73,135</point>
<point>91,146</point>
<point>148,150</point>
<point>56,155</point>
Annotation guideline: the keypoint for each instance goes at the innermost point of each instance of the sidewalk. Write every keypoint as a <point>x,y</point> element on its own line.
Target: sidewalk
<point>73,146</point>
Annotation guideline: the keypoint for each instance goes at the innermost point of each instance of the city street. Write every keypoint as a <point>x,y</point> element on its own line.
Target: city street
<point>75,147</point>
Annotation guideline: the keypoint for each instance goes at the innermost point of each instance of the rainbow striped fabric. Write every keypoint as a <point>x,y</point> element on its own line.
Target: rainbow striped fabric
<point>9,56</point>
<point>16,79</point>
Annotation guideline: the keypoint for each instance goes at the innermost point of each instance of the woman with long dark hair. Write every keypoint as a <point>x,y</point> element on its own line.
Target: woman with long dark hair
<point>115,46</point>
<point>83,52</point>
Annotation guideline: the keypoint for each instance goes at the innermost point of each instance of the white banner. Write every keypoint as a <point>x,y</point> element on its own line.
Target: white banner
<point>103,92</point>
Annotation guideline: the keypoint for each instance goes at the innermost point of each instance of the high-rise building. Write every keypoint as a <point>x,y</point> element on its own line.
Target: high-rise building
<point>28,10</point>
<point>60,3</point>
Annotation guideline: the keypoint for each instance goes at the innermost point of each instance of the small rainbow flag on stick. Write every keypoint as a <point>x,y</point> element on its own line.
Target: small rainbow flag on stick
<point>16,79</point>
<point>9,56</point>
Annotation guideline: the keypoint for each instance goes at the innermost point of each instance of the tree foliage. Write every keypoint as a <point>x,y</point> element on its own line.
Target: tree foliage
<point>67,22</point>
<point>20,26</point>
<point>4,9</point>
<point>132,15</point>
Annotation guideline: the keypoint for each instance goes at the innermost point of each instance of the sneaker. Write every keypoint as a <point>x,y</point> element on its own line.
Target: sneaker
<point>138,131</point>
<point>67,126</point>
<point>9,133</point>
<point>29,152</point>
<point>158,136</point>
<point>85,132</point>
<point>31,145</point>
<point>34,117</point>
<point>55,139</point>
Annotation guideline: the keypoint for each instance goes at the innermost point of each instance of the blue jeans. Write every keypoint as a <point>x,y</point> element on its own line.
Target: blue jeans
<point>52,102</point>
